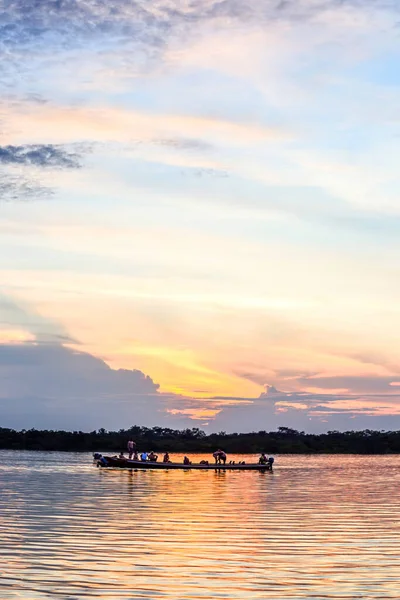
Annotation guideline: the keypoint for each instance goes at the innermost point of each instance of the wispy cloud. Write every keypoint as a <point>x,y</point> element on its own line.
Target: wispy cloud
<point>71,124</point>
<point>39,155</point>
<point>15,187</point>
<point>21,169</point>
<point>131,17</point>
<point>98,35</point>
<point>185,144</point>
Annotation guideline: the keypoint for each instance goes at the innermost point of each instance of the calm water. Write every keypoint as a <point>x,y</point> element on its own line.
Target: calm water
<point>318,527</point>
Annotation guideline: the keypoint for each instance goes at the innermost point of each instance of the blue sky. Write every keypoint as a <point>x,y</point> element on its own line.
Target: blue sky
<point>206,193</point>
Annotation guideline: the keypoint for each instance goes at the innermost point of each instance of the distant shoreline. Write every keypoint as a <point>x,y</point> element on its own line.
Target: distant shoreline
<point>203,452</point>
<point>160,439</point>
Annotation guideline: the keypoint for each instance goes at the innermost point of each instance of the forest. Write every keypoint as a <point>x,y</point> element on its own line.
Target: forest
<point>283,441</point>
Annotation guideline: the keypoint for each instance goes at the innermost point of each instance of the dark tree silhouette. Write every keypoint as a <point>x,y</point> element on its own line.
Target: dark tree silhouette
<point>284,441</point>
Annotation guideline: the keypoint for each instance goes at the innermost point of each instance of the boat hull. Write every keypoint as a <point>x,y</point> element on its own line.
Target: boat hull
<point>121,463</point>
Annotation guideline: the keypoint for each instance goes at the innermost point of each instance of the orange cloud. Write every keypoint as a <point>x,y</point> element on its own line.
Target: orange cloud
<point>197,414</point>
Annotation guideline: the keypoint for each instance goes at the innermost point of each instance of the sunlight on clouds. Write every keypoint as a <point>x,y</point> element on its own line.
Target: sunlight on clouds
<point>234,220</point>
<point>371,405</point>
<point>15,336</point>
<point>286,405</point>
<point>183,371</point>
<point>179,358</point>
<point>195,413</point>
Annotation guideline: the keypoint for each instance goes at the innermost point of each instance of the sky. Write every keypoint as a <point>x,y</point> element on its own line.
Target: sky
<point>200,214</point>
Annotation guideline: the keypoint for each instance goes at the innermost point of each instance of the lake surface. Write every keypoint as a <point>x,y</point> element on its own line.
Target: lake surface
<point>317,527</point>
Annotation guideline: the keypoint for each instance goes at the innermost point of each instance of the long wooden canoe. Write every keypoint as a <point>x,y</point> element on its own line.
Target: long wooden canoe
<point>124,463</point>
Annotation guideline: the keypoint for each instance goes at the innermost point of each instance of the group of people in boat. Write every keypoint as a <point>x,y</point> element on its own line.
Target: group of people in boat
<point>144,456</point>
<point>150,457</point>
<point>219,457</point>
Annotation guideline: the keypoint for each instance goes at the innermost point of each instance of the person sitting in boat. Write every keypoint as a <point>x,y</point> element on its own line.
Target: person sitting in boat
<point>152,457</point>
<point>204,462</point>
<point>263,459</point>
<point>136,455</point>
<point>186,461</point>
<point>121,455</point>
<point>166,458</point>
<point>131,448</point>
<point>143,456</point>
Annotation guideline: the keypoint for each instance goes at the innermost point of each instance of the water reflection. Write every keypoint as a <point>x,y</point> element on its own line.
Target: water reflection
<point>322,527</point>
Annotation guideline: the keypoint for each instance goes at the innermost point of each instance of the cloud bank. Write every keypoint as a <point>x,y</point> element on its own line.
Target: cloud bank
<point>50,385</point>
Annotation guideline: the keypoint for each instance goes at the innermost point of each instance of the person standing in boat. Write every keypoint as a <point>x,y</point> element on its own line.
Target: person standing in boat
<point>220,457</point>
<point>131,448</point>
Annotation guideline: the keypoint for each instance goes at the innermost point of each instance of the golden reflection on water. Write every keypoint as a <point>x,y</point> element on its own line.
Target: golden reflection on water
<point>317,527</point>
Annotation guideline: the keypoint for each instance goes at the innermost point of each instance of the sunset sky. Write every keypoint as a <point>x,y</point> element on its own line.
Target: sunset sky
<point>200,214</point>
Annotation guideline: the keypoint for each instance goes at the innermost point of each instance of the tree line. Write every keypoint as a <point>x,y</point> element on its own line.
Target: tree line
<point>283,441</point>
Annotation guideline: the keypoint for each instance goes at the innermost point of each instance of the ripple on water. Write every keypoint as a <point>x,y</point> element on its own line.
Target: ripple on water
<point>318,527</point>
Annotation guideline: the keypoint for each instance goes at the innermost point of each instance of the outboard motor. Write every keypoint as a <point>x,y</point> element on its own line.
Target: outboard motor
<point>102,462</point>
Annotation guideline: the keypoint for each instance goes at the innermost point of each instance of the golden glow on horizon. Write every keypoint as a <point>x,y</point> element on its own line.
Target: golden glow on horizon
<point>186,377</point>
<point>215,357</point>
